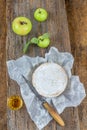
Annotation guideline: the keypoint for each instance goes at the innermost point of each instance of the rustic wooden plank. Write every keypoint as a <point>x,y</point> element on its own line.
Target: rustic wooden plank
<point>57,26</point>
<point>77,17</point>
<point>3,92</point>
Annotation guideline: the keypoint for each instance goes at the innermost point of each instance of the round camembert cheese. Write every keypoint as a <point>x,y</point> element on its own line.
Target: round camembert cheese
<point>49,79</point>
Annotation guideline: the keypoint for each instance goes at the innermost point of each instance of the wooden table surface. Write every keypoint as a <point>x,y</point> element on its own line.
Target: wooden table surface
<point>77,19</point>
<point>57,26</point>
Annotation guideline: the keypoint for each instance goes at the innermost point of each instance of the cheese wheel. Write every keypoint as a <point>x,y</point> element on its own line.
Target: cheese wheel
<point>49,79</point>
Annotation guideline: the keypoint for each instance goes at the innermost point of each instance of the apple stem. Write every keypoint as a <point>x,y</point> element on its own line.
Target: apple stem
<point>22,22</point>
<point>41,39</point>
<point>39,11</point>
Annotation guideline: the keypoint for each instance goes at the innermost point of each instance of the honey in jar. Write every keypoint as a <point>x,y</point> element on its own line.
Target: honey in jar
<point>14,102</point>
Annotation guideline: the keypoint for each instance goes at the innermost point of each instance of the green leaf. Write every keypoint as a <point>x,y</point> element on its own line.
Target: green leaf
<point>26,47</point>
<point>46,35</point>
<point>34,40</point>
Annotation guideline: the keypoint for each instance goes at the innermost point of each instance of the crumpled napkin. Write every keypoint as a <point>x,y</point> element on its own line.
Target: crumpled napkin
<point>71,97</point>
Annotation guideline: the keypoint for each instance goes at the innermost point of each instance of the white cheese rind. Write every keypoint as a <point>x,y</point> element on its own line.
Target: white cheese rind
<point>49,79</point>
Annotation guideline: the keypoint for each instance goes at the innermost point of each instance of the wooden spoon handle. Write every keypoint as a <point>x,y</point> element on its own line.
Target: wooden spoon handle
<point>54,114</point>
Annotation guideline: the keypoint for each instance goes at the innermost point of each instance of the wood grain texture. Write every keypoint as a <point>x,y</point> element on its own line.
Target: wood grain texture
<point>57,26</point>
<point>77,17</point>
<point>3,92</point>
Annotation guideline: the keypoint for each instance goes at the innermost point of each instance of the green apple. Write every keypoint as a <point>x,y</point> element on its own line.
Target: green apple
<point>40,14</point>
<point>21,25</point>
<point>43,42</point>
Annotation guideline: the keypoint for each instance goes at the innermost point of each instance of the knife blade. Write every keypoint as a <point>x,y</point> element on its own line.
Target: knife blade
<point>46,105</point>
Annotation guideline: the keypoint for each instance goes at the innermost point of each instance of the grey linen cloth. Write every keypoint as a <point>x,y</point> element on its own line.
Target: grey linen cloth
<point>71,97</point>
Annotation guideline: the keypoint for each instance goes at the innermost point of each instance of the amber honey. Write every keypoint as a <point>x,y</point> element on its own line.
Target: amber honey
<point>14,102</point>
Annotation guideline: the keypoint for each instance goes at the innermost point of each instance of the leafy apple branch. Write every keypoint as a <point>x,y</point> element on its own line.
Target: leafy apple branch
<point>34,40</point>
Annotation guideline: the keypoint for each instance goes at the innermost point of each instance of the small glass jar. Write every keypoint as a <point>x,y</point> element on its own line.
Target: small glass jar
<point>14,102</point>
